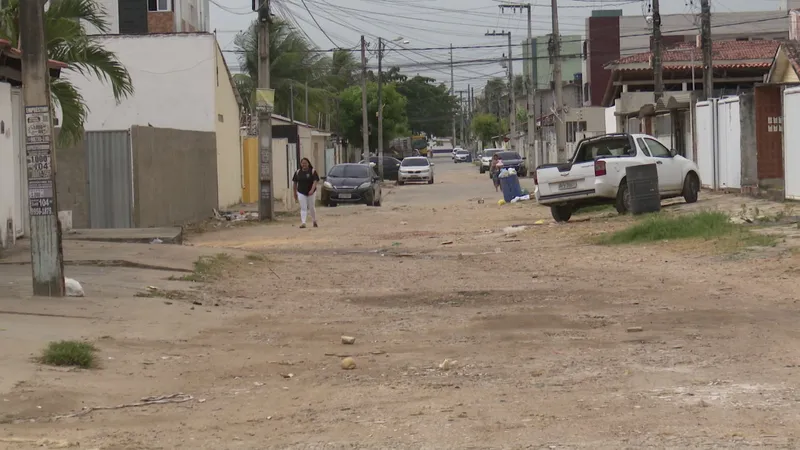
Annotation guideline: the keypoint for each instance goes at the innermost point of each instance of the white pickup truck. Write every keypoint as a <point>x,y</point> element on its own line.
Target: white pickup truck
<point>596,174</point>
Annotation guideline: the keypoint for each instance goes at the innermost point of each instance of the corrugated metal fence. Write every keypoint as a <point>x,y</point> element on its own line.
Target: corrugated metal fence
<point>109,174</point>
<point>719,152</point>
<point>791,164</point>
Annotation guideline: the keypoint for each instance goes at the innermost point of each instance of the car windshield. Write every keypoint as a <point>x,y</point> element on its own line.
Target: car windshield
<point>462,152</point>
<point>415,162</point>
<point>349,171</point>
<point>509,155</point>
<point>490,153</point>
<point>602,148</point>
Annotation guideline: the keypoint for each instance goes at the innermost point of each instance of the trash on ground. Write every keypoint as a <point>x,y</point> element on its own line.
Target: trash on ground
<point>348,363</point>
<point>156,241</point>
<point>522,198</point>
<point>74,289</point>
<point>348,340</point>
<point>501,202</point>
<point>447,364</point>
<point>513,230</point>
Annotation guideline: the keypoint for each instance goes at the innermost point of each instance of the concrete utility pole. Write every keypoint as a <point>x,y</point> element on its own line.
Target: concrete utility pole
<point>658,75</point>
<point>530,83</point>
<point>512,114</point>
<point>705,42</point>
<point>380,107</point>
<point>266,201</point>
<point>47,259</point>
<point>561,136</point>
<point>452,93</point>
<point>364,112</point>
<point>461,109</point>
<point>469,113</point>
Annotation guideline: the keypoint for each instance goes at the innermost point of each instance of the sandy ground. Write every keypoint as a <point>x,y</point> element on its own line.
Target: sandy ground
<point>537,325</point>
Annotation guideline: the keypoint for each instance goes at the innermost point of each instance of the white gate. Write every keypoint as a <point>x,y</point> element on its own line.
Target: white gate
<point>729,148</point>
<point>705,142</point>
<point>791,151</point>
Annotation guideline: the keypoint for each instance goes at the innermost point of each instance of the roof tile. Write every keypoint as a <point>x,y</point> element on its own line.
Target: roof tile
<point>721,51</point>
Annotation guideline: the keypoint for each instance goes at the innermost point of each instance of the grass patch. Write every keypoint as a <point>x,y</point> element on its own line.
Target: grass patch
<point>256,257</point>
<point>208,268</point>
<point>69,353</point>
<point>709,225</point>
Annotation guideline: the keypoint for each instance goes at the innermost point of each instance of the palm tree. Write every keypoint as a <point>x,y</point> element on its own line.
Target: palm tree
<point>68,41</point>
<point>293,62</point>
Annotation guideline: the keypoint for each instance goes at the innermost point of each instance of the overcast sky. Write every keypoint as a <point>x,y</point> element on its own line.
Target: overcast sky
<point>439,23</point>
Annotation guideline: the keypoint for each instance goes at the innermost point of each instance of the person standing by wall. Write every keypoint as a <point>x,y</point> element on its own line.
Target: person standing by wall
<point>305,186</point>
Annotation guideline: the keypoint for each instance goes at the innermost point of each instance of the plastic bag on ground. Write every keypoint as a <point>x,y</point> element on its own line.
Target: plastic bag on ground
<point>74,289</point>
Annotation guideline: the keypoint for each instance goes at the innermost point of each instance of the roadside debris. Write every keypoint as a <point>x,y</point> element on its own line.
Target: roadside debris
<point>348,363</point>
<point>348,340</point>
<point>74,289</point>
<point>447,364</point>
<point>635,329</point>
<point>156,241</point>
<point>235,216</point>
<point>146,401</point>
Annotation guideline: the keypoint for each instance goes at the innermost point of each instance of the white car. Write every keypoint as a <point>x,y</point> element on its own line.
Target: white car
<point>486,158</point>
<point>596,174</point>
<point>415,169</point>
<point>461,156</point>
<point>455,150</point>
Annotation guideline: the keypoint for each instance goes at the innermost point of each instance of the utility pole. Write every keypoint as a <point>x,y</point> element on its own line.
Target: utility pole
<point>530,83</point>
<point>561,136</point>
<point>658,80</point>
<point>380,107</point>
<point>266,201</point>
<point>705,41</point>
<point>307,122</point>
<point>461,109</point>
<point>469,113</point>
<point>452,93</point>
<point>47,258</point>
<point>364,112</point>
<point>291,100</point>
<point>512,113</point>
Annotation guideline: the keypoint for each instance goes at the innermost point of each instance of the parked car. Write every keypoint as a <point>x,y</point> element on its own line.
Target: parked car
<point>417,168</point>
<point>513,160</point>
<point>462,156</point>
<point>390,166</point>
<point>596,174</point>
<point>455,150</point>
<point>351,183</point>
<point>486,158</point>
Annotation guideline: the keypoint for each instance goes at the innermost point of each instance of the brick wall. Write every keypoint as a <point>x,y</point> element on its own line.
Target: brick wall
<point>161,22</point>
<point>603,47</point>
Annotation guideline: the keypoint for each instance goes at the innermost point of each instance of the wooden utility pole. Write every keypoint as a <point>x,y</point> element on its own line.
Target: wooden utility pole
<point>705,43</point>
<point>266,201</point>
<point>452,93</point>
<point>512,113</point>
<point>47,259</point>
<point>530,82</point>
<point>658,74</point>
<point>380,107</point>
<point>364,112</point>
<point>561,136</point>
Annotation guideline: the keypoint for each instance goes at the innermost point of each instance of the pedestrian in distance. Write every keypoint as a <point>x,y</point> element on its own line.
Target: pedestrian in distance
<point>494,171</point>
<point>305,186</point>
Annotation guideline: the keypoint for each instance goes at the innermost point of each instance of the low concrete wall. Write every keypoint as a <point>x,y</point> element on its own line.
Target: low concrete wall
<point>71,182</point>
<point>174,174</point>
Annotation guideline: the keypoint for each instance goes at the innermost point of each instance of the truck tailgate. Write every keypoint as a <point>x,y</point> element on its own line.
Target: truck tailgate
<point>563,181</point>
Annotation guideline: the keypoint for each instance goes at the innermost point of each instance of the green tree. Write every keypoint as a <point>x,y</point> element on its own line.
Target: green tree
<point>67,41</point>
<point>293,62</point>
<point>430,106</point>
<point>394,114</point>
<point>486,126</point>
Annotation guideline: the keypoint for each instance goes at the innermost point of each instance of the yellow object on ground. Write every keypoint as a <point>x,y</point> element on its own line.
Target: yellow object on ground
<point>501,202</point>
<point>539,222</point>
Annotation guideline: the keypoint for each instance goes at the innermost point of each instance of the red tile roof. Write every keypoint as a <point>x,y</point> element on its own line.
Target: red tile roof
<point>721,51</point>
<point>6,48</point>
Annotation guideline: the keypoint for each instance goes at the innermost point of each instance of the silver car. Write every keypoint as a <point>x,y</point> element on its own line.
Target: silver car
<point>415,169</point>
<point>486,158</point>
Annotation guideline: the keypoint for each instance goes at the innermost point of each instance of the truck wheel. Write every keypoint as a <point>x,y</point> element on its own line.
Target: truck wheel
<point>623,203</point>
<point>482,169</point>
<point>691,188</point>
<point>561,213</point>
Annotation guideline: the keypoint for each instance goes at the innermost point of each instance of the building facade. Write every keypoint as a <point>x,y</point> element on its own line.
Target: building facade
<point>180,82</point>
<point>156,16</point>
<point>537,59</point>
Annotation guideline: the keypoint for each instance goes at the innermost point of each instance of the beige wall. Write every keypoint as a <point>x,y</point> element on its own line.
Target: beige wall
<point>283,167</point>
<point>229,155</point>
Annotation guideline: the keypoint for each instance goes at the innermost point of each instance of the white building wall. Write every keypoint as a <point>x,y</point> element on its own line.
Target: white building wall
<point>111,8</point>
<point>173,78</point>
<point>8,189</point>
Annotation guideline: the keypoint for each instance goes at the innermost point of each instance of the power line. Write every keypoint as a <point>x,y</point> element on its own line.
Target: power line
<point>318,25</point>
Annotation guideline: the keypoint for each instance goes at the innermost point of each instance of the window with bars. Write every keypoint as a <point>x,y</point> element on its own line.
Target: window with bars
<point>573,128</point>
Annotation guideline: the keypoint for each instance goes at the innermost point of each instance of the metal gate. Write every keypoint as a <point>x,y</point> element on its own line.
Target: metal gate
<point>729,146</point>
<point>706,112</point>
<point>109,176</point>
<point>791,152</point>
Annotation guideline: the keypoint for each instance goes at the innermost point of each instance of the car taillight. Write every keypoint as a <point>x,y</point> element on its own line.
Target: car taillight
<point>535,178</point>
<point>599,168</point>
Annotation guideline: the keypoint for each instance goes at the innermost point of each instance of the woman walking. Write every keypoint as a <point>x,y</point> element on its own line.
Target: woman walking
<point>305,186</point>
<point>494,170</point>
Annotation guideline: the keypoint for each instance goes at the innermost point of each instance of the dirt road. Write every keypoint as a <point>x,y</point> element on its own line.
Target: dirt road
<point>466,337</point>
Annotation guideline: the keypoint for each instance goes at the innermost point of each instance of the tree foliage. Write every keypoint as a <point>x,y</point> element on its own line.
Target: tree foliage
<point>68,41</point>
<point>430,108</point>
<point>395,122</point>
<point>486,126</point>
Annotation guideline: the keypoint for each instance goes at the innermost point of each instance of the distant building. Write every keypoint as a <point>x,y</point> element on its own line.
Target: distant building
<point>540,62</point>
<point>156,16</point>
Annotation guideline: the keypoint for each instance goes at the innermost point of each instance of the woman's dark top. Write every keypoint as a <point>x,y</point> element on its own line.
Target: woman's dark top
<point>305,179</point>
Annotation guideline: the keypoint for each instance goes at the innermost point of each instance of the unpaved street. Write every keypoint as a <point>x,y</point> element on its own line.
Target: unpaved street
<point>551,341</point>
